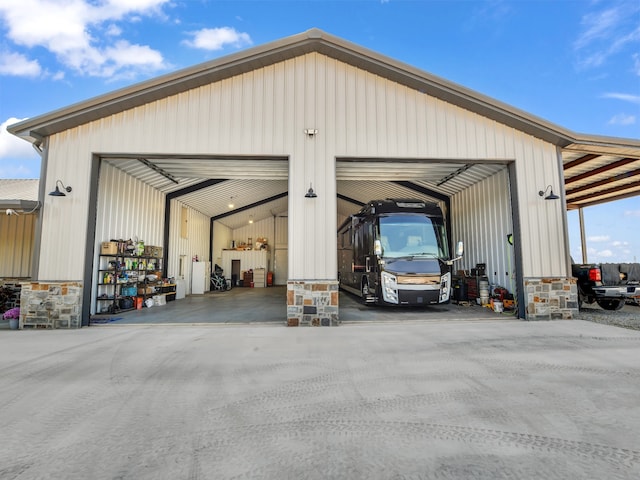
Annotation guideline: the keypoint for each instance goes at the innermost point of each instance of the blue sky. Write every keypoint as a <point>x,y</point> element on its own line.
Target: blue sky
<point>573,63</point>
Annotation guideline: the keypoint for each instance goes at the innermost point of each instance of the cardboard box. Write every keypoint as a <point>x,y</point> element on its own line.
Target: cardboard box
<point>159,300</point>
<point>152,251</point>
<point>109,248</point>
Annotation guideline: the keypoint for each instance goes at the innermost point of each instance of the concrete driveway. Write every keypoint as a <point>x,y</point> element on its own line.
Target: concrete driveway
<point>444,400</point>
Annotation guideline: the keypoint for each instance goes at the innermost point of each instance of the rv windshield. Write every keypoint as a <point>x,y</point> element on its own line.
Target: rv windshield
<point>407,235</point>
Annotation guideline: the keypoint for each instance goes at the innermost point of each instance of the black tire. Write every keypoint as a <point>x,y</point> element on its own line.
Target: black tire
<point>611,303</point>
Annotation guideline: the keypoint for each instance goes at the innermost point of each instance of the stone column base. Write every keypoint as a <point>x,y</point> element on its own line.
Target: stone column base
<point>551,298</point>
<point>312,303</point>
<point>51,305</point>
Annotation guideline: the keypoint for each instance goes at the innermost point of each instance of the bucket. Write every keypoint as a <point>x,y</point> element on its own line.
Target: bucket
<point>497,307</point>
<point>484,300</point>
<point>483,287</point>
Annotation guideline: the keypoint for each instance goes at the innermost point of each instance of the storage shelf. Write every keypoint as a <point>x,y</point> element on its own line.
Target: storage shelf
<point>135,278</point>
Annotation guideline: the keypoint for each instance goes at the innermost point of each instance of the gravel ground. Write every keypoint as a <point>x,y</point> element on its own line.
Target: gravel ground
<point>627,317</point>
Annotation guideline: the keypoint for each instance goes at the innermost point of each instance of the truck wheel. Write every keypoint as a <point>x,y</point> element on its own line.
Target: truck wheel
<point>611,304</point>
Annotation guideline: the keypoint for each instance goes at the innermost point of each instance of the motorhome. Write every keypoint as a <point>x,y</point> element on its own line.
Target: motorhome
<point>396,252</point>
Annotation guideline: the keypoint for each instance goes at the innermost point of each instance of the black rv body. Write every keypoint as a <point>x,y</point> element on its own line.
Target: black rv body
<point>396,252</point>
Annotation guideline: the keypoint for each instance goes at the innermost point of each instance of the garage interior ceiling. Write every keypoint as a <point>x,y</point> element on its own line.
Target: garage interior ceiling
<point>258,187</point>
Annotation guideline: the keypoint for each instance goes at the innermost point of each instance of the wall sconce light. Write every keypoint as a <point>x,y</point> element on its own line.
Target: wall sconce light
<point>550,196</point>
<point>57,192</point>
<point>250,218</point>
<point>310,193</point>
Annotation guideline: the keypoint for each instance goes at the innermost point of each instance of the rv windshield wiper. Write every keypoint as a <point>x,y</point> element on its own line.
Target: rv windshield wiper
<point>412,256</point>
<point>424,254</point>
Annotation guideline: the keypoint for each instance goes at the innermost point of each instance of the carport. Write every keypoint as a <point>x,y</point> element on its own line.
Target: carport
<point>163,160</point>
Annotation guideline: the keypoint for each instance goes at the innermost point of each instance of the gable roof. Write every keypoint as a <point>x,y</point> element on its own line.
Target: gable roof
<point>313,40</point>
<point>582,153</point>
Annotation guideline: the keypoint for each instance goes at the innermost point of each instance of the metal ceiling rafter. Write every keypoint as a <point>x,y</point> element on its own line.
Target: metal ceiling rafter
<point>597,171</point>
<point>459,171</point>
<point>248,207</point>
<point>195,187</point>
<point>616,178</point>
<point>158,170</point>
<point>603,193</point>
<point>423,190</point>
<point>580,161</point>
<point>350,200</point>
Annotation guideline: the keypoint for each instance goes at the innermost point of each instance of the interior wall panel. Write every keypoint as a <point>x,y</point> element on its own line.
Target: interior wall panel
<point>481,218</point>
<point>182,250</point>
<point>127,209</point>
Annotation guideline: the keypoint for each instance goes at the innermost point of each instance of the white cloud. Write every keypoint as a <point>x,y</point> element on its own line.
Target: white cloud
<point>619,243</point>
<point>626,97</point>
<point>69,29</point>
<point>16,64</point>
<point>217,38</point>
<point>632,213</point>
<point>12,147</point>
<point>598,238</point>
<point>607,32</point>
<point>622,119</point>
<point>605,254</point>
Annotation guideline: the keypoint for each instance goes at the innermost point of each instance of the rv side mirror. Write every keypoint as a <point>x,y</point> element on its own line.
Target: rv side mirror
<point>459,249</point>
<point>377,247</point>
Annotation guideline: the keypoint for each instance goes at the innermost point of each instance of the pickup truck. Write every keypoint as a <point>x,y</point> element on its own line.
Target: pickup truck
<point>610,285</point>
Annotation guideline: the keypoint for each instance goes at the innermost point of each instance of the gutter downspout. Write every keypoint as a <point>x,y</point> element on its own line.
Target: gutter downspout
<point>42,147</point>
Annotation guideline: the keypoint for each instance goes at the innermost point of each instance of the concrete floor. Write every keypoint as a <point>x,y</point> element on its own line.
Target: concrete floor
<point>441,399</point>
<point>268,305</point>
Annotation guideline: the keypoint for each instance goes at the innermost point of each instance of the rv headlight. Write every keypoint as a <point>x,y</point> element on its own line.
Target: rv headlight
<point>389,288</point>
<point>445,283</point>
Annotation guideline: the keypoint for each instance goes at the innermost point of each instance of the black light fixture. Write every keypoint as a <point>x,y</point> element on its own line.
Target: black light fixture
<point>57,192</point>
<point>550,196</point>
<point>310,193</point>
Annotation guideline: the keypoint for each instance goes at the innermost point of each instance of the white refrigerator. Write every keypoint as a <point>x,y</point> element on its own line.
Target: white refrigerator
<point>200,275</point>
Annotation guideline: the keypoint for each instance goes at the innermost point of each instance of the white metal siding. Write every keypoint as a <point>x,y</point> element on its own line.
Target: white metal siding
<point>481,218</point>
<point>266,111</point>
<point>126,209</point>
<point>185,249</point>
<point>16,245</point>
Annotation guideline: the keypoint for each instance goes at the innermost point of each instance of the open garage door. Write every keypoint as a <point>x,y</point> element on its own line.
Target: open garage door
<point>213,206</point>
<point>475,197</point>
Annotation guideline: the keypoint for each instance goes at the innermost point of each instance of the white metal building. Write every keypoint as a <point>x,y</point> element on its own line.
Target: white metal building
<point>18,216</point>
<point>163,159</point>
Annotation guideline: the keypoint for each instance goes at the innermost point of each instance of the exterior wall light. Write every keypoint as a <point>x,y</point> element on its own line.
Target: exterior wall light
<point>550,196</point>
<point>57,192</point>
<point>310,193</point>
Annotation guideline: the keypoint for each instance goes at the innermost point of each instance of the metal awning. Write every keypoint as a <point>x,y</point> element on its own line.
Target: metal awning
<point>599,174</point>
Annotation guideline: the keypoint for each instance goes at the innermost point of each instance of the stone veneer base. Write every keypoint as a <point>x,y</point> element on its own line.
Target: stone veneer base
<point>551,298</point>
<point>312,303</point>
<point>51,305</point>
